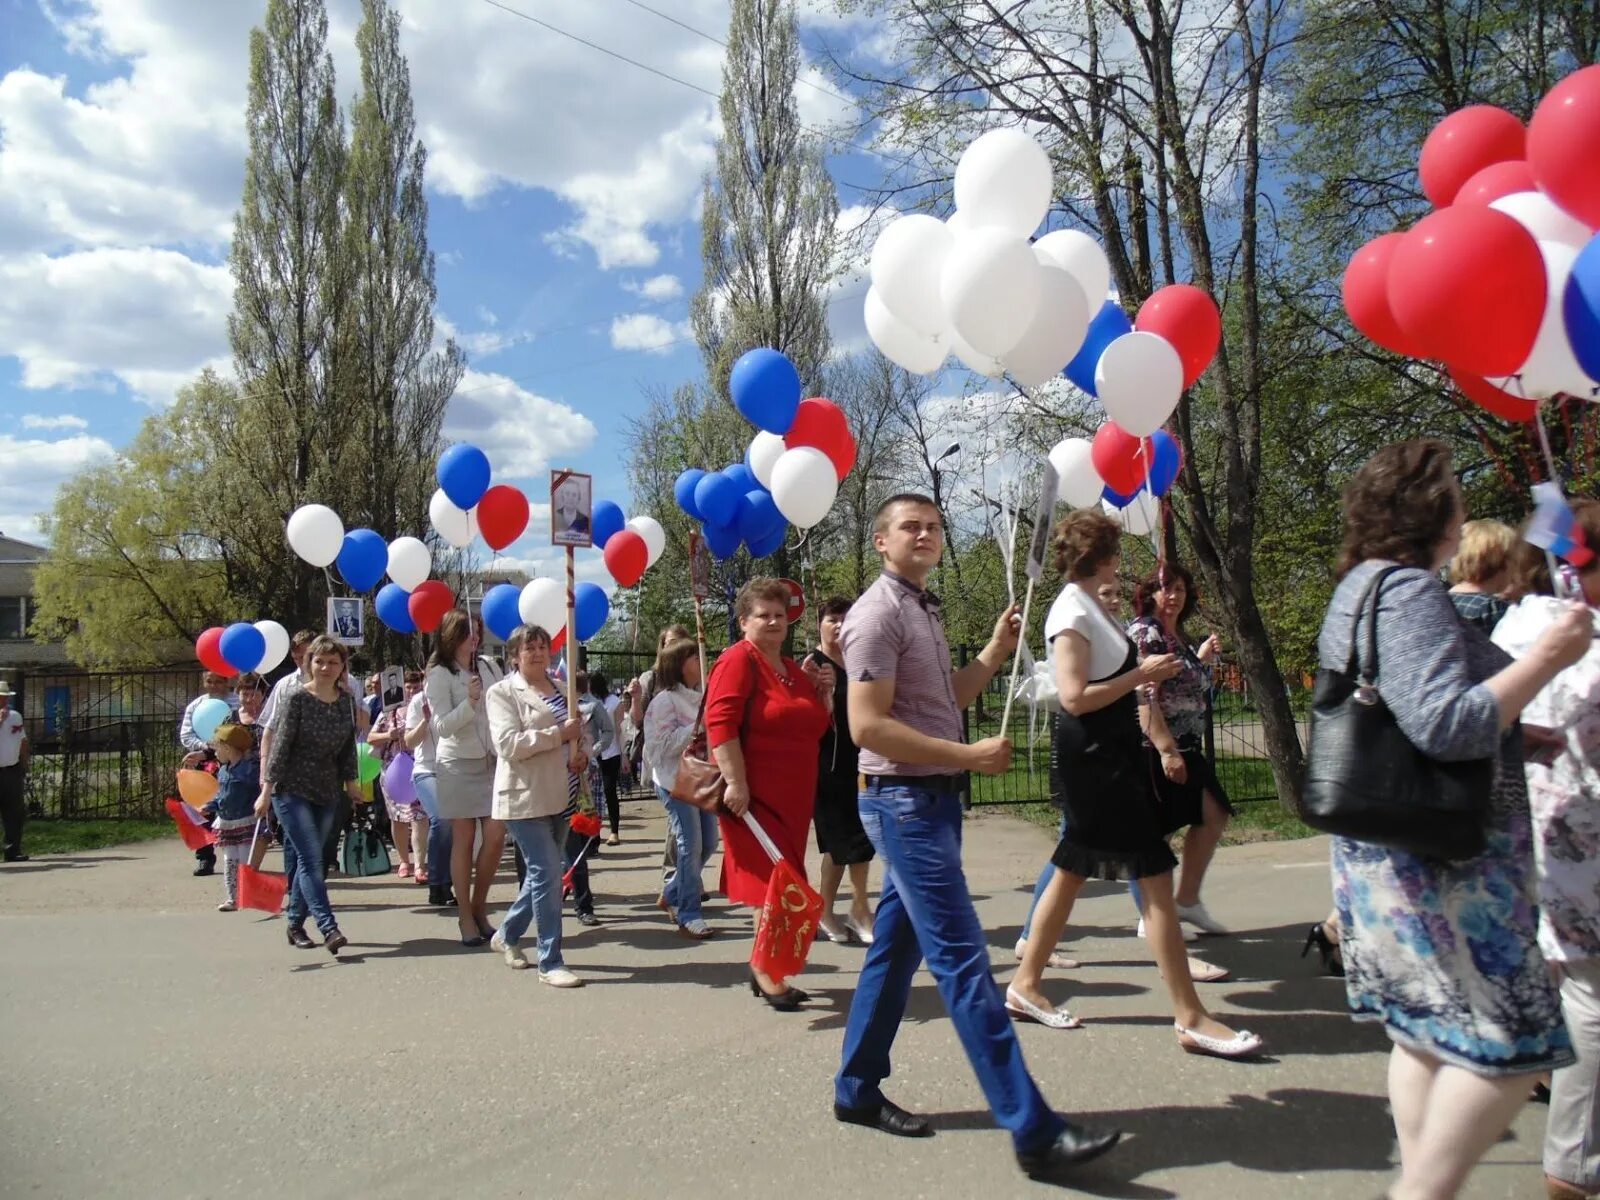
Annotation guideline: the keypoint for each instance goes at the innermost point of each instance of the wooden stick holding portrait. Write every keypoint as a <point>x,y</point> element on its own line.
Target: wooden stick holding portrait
<point>1048,487</point>
<point>571,502</point>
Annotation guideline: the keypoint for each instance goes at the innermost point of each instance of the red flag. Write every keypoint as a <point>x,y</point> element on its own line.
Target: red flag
<point>262,890</point>
<point>196,834</point>
<point>788,923</point>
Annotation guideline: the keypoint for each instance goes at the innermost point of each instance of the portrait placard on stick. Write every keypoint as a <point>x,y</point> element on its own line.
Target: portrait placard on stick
<point>571,503</point>
<point>699,567</point>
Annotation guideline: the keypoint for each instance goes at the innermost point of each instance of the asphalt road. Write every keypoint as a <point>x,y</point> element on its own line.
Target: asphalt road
<point>151,1047</point>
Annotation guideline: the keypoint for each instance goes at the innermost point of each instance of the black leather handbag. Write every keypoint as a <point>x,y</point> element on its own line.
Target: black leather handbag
<point>1364,778</point>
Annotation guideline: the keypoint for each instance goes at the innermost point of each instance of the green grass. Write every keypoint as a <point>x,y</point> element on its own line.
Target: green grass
<point>69,837</point>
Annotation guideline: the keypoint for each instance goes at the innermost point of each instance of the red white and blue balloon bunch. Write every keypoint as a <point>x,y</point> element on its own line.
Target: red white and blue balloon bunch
<point>791,472</point>
<point>242,646</point>
<point>1501,282</point>
<point>410,601</point>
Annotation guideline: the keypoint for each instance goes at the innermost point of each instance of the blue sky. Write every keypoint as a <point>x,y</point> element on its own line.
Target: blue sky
<point>563,187</point>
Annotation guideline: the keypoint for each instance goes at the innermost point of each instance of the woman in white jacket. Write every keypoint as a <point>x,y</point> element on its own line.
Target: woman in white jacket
<point>669,724</point>
<point>464,768</point>
<point>543,754</point>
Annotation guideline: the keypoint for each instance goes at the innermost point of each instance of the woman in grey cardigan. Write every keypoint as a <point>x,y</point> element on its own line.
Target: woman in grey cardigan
<point>1444,954</point>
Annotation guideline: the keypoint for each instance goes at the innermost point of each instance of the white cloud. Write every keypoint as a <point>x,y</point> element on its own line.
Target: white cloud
<point>486,316</point>
<point>63,421</point>
<point>647,332</point>
<point>657,287</point>
<point>149,318</point>
<point>523,434</point>
<point>35,468</point>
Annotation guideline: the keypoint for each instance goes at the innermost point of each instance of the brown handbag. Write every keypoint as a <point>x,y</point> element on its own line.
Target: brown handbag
<point>699,782</point>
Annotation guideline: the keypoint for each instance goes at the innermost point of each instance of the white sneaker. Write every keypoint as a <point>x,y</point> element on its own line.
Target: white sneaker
<point>1057,960</point>
<point>1195,914</point>
<point>1189,935</point>
<point>560,978</point>
<point>227,906</point>
<point>515,959</point>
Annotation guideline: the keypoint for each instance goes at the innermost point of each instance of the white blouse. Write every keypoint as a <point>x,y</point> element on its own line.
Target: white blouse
<point>1076,610</point>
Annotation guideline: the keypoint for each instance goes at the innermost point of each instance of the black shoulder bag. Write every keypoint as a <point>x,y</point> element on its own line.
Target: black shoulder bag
<point>1364,778</point>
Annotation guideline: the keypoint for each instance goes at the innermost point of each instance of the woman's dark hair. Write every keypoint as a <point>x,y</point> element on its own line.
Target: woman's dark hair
<point>1083,541</point>
<point>1399,505</point>
<point>251,682</point>
<point>520,636</point>
<point>1144,593</point>
<point>670,663</point>
<point>455,629</point>
<point>1530,569</point>
<point>599,686</point>
<point>834,606</point>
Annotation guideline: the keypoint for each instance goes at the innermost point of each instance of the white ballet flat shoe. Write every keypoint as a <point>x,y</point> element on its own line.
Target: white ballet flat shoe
<point>1057,960</point>
<point>1242,1044</point>
<point>1022,1008</point>
<point>1189,935</point>
<point>1195,914</point>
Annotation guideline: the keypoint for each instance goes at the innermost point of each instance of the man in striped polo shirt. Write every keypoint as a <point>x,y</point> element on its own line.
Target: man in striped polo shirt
<point>905,715</point>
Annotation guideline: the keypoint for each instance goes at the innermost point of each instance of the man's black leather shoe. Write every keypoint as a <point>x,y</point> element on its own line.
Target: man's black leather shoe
<point>1073,1145</point>
<point>889,1117</point>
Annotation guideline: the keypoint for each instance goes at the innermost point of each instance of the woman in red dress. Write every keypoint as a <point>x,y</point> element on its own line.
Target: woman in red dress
<point>765,717</point>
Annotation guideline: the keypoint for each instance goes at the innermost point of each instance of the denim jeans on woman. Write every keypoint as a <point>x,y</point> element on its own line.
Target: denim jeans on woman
<point>694,834</point>
<point>1047,873</point>
<point>540,840</point>
<point>305,829</point>
<point>439,841</point>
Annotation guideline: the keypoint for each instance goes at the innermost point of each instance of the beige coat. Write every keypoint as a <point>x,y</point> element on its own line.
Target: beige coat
<point>530,773</point>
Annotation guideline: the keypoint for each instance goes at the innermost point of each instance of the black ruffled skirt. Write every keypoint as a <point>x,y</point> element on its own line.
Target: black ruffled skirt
<point>1100,777</point>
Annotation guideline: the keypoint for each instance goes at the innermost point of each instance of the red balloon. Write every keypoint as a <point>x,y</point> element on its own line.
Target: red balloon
<point>1464,143</point>
<point>626,557</point>
<point>1122,460</point>
<point>429,603</point>
<point>821,423</point>
<point>1468,285</point>
<point>558,641</point>
<point>1564,145</point>
<point>208,649</point>
<point>1366,296</point>
<point>1501,403</point>
<point>1188,318</point>
<point>1500,179</point>
<point>502,515</point>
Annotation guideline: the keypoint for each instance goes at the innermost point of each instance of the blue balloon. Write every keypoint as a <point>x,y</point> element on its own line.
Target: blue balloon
<point>500,609</point>
<point>717,499</point>
<point>766,388</point>
<point>1108,325</point>
<point>758,516</point>
<point>363,559</point>
<point>243,645</point>
<point>607,519</point>
<point>683,491</point>
<point>391,607</point>
<point>1580,308</point>
<point>721,540</point>
<point>591,608</point>
<point>771,543</point>
<point>1117,499</point>
<point>1165,459</point>
<point>743,477</point>
<point>464,474</point>
<point>209,714</point>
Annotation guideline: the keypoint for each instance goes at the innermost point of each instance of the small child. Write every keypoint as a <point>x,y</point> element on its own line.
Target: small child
<point>238,785</point>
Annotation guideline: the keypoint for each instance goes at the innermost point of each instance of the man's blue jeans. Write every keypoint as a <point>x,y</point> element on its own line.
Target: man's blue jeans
<point>695,832</point>
<point>305,829</point>
<point>439,840</point>
<point>925,910</point>
<point>539,901</point>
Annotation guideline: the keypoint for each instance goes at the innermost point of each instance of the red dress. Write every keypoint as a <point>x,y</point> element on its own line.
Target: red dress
<point>779,738</point>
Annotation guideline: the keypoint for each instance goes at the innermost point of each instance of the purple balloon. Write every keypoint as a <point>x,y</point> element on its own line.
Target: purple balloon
<point>397,786</point>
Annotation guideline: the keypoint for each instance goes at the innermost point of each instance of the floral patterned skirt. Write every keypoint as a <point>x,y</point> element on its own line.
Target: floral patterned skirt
<point>1446,956</point>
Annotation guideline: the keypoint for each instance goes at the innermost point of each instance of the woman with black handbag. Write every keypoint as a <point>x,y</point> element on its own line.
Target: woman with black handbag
<point>1442,952</point>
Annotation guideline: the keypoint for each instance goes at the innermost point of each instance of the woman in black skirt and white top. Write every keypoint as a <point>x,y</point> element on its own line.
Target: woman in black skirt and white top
<point>1101,777</point>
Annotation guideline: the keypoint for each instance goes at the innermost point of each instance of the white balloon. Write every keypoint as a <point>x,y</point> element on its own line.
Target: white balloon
<point>1078,254</point>
<point>906,261</point>
<point>277,645</point>
<point>655,537</point>
<point>919,353</point>
<point>980,364</point>
<point>804,484</point>
<point>1139,379</point>
<point>409,562</point>
<point>1004,180</point>
<point>1551,366</point>
<point>1139,517</point>
<point>1060,320</point>
<point>990,286</point>
<point>316,534</point>
<point>457,526</point>
<point>957,222</point>
<point>1543,218</point>
<point>543,603</point>
<point>765,449</point>
<point>1081,485</point>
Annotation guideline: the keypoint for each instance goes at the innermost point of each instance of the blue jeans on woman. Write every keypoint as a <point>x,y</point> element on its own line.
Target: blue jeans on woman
<point>539,901</point>
<point>1048,872</point>
<point>305,829</point>
<point>439,841</point>
<point>694,831</point>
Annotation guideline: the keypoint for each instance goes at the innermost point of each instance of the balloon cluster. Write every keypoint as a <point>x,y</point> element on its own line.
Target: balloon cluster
<point>630,546</point>
<point>409,602</point>
<point>791,471</point>
<point>1501,282</point>
<point>242,646</point>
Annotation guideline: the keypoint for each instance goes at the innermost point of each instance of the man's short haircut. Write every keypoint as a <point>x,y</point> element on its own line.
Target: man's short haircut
<point>304,638</point>
<point>880,521</point>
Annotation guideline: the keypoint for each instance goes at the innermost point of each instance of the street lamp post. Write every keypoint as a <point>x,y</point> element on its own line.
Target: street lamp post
<point>938,499</point>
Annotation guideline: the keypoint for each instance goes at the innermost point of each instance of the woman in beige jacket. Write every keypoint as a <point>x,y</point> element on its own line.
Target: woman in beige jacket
<point>541,756</point>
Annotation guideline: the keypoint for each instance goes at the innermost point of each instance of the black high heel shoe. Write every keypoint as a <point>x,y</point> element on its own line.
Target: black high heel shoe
<point>787,1000</point>
<point>1332,961</point>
